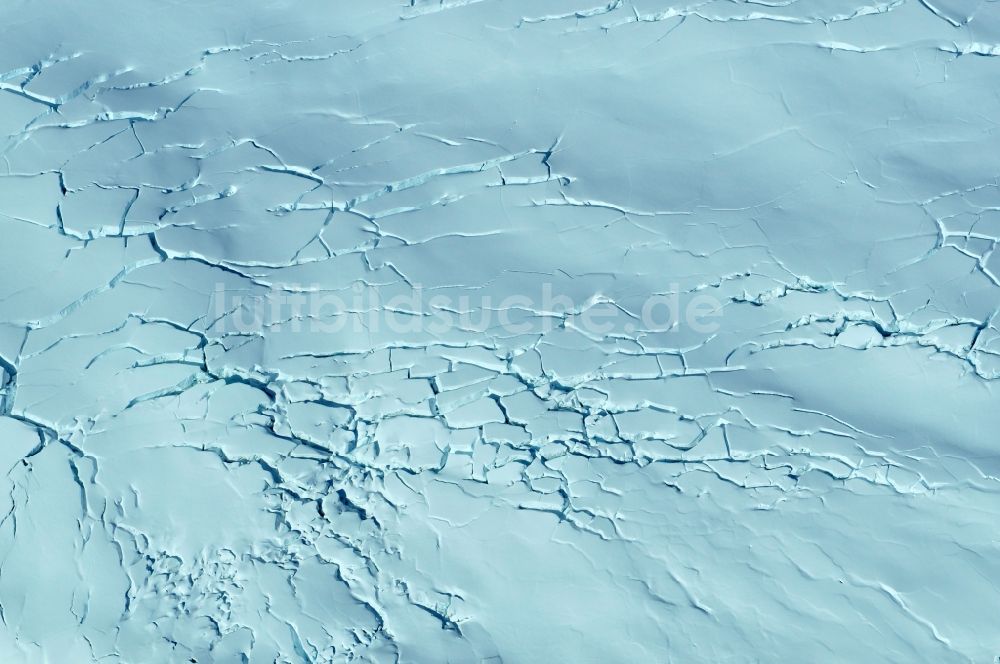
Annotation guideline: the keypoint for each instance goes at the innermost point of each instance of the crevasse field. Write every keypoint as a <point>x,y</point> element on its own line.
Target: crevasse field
<point>499,331</point>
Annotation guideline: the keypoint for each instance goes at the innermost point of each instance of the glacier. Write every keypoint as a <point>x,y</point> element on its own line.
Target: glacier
<point>499,331</point>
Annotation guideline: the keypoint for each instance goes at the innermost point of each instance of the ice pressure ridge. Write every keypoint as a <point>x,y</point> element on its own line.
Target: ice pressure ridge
<point>338,331</point>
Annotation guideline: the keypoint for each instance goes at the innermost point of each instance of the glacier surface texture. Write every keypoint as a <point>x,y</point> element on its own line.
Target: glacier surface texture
<point>508,331</point>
